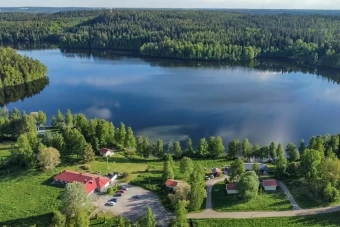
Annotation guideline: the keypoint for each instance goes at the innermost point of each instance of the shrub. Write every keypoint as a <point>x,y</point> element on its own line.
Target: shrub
<point>110,191</point>
<point>330,193</point>
<point>85,167</point>
<point>125,175</point>
<point>226,181</point>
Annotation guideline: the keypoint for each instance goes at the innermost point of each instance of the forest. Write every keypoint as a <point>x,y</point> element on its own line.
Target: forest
<point>17,70</point>
<point>184,34</point>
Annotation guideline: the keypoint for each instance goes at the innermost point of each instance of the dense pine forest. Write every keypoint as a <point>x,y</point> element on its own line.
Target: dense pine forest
<point>17,70</point>
<point>184,34</point>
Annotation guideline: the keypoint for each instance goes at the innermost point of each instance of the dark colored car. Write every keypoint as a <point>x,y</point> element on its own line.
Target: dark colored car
<point>114,200</point>
<point>118,194</point>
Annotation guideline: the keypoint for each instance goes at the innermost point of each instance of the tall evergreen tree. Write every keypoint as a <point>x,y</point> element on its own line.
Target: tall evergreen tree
<point>178,150</point>
<point>197,184</point>
<point>130,141</point>
<point>189,151</point>
<point>203,148</point>
<point>168,172</point>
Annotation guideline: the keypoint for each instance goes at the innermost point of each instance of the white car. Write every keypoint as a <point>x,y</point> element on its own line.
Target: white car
<point>110,203</point>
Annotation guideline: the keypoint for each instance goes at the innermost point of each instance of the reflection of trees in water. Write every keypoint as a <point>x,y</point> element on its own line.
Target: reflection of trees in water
<point>20,92</point>
<point>274,65</point>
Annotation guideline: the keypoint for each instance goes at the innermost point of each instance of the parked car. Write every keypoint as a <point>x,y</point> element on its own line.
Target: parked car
<point>114,200</point>
<point>118,194</point>
<point>136,196</point>
<point>207,178</point>
<point>121,191</point>
<point>124,188</point>
<point>110,203</point>
<point>211,176</point>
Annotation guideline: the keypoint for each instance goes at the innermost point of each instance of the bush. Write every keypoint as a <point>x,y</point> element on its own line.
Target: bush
<point>125,175</point>
<point>110,191</point>
<point>85,167</point>
<point>330,193</point>
<point>226,181</point>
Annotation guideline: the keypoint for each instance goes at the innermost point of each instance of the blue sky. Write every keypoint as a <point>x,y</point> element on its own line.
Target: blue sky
<point>272,4</point>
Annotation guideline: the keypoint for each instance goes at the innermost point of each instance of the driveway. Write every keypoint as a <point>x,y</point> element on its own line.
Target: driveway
<point>210,213</point>
<point>134,208</point>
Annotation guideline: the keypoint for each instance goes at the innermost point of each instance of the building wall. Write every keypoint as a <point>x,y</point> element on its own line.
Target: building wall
<point>232,192</point>
<point>270,188</point>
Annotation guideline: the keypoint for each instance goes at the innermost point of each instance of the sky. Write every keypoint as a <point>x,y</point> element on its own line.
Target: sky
<point>257,4</point>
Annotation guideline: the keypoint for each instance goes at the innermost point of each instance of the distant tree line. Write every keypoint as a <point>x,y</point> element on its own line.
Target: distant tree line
<point>186,34</point>
<point>16,69</point>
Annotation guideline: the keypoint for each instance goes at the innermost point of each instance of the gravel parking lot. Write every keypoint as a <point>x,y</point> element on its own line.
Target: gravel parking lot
<point>133,208</point>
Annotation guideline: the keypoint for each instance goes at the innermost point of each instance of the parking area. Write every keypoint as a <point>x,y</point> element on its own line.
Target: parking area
<point>132,208</point>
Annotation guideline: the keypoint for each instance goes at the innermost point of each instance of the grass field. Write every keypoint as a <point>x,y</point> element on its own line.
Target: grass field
<point>26,197</point>
<point>322,220</point>
<point>222,202</point>
<point>303,196</point>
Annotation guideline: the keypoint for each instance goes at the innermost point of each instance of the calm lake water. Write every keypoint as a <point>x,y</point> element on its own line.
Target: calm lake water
<point>173,100</point>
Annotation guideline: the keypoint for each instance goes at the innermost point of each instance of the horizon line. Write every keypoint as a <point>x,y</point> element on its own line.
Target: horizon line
<point>106,7</point>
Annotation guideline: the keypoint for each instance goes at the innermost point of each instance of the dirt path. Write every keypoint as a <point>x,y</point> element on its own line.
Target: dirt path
<point>290,197</point>
<point>210,213</point>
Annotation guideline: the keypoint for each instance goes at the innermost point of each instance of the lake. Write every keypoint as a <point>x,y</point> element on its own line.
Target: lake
<point>174,100</point>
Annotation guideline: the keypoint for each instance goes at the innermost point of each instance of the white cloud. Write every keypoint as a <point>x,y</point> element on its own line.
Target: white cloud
<point>98,112</point>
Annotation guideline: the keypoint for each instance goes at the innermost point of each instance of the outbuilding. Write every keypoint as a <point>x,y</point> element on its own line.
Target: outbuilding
<point>232,189</point>
<point>106,152</point>
<point>269,185</point>
<point>170,183</point>
<point>216,172</point>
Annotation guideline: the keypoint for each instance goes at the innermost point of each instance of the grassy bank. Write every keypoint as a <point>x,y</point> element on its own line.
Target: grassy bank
<point>301,192</point>
<point>321,220</point>
<point>222,202</point>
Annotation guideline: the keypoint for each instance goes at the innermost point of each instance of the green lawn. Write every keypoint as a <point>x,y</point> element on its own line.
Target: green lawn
<point>322,220</point>
<point>303,196</point>
<point>117,163</point>
<point>26,198</point>
<point>222,202</point>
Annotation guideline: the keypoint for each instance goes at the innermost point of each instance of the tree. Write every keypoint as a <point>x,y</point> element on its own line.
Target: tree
<point>272,151</point>
<point>168,172</point>
<point>24,152</point>
<point>189,151</point>
<point>121,134</point>
<point>69,119</point>
<point>320,146</point>
<point>292,152</point>
<point>159,151</point>
<point>130,141</point>
<point>171,147</point>
<point>168,157</point>
<point>181,215</point>
<point>149,220</point>
<point>237,169</point>
<point>310,162</point>
<point>256,150</point>
<point>73,199</point>
<point>178,150</point>
<point>197,184</point>
<point>186,167</point>
<point>248,186</point>
<point>88,154</point>
<point>246,149</point>
<point>57,142</point>
<point>74,142</point>
<point>330,194</point>
<point>234,148</point>
<point>335,143</point>
<point>146,148</point>
<point>302,147</point>
<point>58,220</point>
<point>182,192</point>
<point>42,118</point>
<point>203,148</point>
<point>215,146</point>
<point>330,170</point>
<point>281,162</point>
<point>59,120</point>
<point>49,158</point>
<point>256,169</point>
<point>80,219</point>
